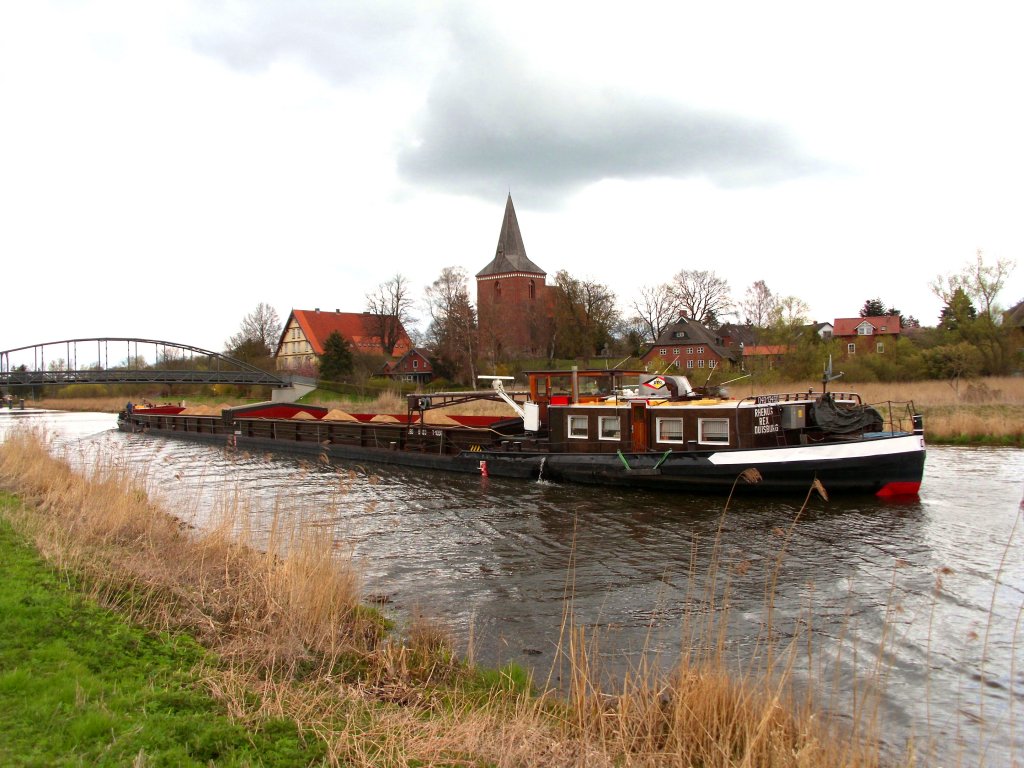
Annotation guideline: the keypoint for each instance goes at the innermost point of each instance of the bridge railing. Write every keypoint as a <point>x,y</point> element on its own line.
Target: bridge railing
<point>204,366</point>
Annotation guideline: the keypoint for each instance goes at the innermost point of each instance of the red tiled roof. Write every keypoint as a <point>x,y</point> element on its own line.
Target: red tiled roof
<point>360,329</point>
<point>847,326</point>
<point>765,349</point>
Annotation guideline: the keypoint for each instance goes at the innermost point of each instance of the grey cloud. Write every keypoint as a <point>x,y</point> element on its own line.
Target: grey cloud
<point>491,122</point>
<point>547,140</point>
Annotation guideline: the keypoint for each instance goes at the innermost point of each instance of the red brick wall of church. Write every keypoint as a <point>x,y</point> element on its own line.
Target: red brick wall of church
<point>510,313</point>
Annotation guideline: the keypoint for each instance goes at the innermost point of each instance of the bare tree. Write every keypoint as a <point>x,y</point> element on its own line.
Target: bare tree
<point>632,335</point>
<point>452,331</point>
<point>586,313</point>
<point>758,305</point>
<point>657,307</point>
<point>790,312</point>
<point>702,296</point>
<point>391,304</point>
<point>259,333</point>
<point>981,283</point>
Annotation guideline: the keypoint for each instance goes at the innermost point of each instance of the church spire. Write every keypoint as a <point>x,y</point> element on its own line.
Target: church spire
<point>510,254</point>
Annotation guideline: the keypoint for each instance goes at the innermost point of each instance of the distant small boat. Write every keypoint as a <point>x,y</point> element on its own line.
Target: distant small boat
<point>624,428</point>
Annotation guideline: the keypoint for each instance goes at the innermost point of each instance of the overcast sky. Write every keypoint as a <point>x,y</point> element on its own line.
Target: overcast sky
<point>166,166</point>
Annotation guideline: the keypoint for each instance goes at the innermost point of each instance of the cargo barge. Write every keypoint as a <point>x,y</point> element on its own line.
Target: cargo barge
<point>625,428</point>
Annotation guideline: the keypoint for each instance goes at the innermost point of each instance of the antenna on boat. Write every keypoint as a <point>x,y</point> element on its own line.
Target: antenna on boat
<point>738,378</point>
<point>668,365</point>
<point>828,376</point>
<point>722,392</point>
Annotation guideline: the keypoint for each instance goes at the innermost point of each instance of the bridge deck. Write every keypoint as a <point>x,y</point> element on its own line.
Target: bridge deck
<point>173,363</point>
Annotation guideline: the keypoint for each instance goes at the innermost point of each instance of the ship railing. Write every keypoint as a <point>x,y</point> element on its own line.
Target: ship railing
<point>793,397</point>
<point>899,415</point>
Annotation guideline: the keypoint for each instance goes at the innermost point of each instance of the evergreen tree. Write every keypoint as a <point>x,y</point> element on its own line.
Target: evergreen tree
<point>873,308</point>
<point>336,361</point>
<point>958,312</point>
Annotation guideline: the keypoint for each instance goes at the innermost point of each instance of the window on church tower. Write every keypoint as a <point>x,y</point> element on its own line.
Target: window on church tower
<point>497,288</point>
<point>533,290</point>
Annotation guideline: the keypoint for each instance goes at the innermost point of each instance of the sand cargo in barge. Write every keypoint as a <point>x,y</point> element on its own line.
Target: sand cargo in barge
<point>626,428</point>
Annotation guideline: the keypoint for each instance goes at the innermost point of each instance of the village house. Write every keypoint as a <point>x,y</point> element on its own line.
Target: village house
<point>414,366</point>
<point>866,335</point>
<point>737,334</point>
<point>823,331</point>
<point>1014,316</point>
<point>306,331</point>
<point>687,347</point>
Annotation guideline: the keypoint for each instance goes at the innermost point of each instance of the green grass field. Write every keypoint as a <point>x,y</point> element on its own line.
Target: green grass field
<point>79,686</point>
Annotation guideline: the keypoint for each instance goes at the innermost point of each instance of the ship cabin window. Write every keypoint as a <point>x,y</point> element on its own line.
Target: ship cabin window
<point>713,431</point>
<point>578,427</point>
<point>851,349</point>
<point>670,430</point>
<point>609,427</point>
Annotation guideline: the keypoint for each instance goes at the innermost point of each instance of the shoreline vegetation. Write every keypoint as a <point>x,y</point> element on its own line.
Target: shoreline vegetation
<point>983,411</point>
<point>289,651</point>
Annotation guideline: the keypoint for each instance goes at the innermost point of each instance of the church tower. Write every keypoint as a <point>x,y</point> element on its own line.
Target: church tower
<point>511,297</point>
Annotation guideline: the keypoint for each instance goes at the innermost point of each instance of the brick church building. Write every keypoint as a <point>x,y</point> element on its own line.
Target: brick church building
<point>513,302</point>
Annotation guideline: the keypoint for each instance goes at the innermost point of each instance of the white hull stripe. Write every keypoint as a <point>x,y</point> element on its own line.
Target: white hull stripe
<point>860,449</point>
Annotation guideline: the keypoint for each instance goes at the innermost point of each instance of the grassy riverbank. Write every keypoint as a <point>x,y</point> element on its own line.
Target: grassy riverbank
<point>80,684</point>
<point>987,411</point>
<point>282,644</point>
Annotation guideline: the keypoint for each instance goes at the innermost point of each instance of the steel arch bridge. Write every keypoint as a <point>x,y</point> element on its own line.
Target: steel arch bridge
<point>135,361</point>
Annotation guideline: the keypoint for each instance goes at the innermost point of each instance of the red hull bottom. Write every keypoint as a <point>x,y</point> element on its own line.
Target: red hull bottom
<point>890,490</point>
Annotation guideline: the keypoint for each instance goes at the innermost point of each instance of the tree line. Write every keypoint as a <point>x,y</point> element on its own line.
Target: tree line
<point>586,321</point>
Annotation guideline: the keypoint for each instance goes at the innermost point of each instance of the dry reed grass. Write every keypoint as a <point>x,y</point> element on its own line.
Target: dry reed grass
<point>258,606</point>
<point>992,390</point>
<point>292,641</point>
<point>984,410</point>
<point>88,404</point>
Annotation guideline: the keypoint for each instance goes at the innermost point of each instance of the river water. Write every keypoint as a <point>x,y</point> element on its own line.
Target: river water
<point>923,600</point>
